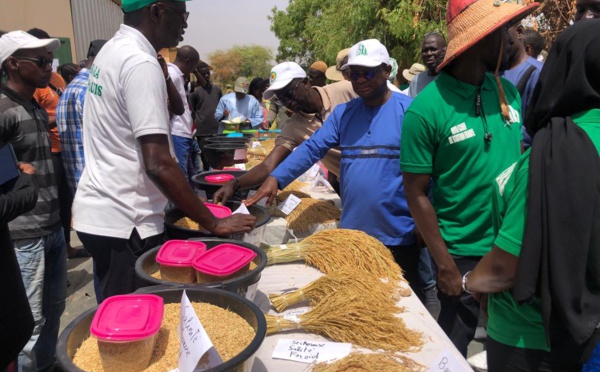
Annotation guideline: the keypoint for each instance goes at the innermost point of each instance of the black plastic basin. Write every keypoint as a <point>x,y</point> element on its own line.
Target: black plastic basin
<point>177,232</point>
<point>146,265</point>
<point>79,329</point>
<point>210,188</point>
<point>220,155</point>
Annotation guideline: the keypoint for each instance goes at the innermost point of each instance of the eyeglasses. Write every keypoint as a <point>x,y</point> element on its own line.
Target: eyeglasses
<point>184,15</point>
<point>289,94</point>
<point>367,74</point>
<point>41,62</point>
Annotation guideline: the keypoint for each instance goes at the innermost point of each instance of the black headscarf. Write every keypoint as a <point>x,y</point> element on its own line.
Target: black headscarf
<point>560,258</point>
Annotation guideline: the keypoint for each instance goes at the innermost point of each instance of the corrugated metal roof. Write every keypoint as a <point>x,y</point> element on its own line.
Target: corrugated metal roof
<point>94,19</point>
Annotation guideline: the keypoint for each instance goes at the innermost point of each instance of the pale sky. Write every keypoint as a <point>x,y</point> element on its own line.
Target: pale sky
<point>221,24</point>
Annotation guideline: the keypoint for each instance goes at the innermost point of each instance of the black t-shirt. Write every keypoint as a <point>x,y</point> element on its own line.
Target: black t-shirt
<point>204,101</point>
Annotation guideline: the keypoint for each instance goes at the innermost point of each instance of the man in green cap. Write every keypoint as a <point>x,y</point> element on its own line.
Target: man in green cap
<point>130,172</point>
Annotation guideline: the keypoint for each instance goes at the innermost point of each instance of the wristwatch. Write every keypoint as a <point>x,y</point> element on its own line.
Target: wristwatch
<point>464,283</point>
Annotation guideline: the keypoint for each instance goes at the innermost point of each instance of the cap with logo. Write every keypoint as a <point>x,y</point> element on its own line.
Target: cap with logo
<point>241,85</point>
<point>413,71</point>
<point>470,21</point>
<point>133,5</point>
<point>282,75</point>
<point>335,72</point>
<point>12,41</point>
<point>367,53</point>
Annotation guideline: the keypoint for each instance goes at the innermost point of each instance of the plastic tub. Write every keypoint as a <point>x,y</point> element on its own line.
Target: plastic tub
<point>244,285</point>
<point>223,262</point>
<point>126,328</point>
<point>219,211</point>
<point>176,259</point>
<point>79,329</point>
<point>177,232</point>
<point>219,155</point>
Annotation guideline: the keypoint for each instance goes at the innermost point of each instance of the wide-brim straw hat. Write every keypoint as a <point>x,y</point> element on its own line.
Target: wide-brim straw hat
<point>335,72</point>
<point>470,21</point>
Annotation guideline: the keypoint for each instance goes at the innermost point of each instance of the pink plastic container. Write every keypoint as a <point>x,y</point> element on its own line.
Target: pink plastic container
<point>218,211</point>
<point>176,259</point>
<point>219,178</point>
<point>223,262</point>
<point>126,328</point>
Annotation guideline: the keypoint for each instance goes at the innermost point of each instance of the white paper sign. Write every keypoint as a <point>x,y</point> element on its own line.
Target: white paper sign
<point>447,362</point>
<point>289,204</point>
<point>262,202</point>
<point>295,312</point>
<point>242,209</point>
<point>194,342</point>
<point>240,166</point>
<point>313,171</point>
<point>305,351</point>
<point>318,181</point>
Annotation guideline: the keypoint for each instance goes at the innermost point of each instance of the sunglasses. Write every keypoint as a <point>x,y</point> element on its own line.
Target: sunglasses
<point>41,62</point>
<point>367,74</point>
<point>184,15</point>
<point>290,93</point>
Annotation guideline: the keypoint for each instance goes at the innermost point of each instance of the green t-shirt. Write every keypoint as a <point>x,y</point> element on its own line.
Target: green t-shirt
<point>510,323</point>
<point>442,135</point>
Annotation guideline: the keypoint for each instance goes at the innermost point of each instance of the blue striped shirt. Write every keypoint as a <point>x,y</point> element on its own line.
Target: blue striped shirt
<point>69,118</point>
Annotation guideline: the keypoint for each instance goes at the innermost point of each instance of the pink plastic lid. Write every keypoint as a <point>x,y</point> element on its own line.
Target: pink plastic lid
<point>224,259</point>
<point>219,178</point>
<point>128,318</point>
<point>179,253</point>
<point>219,211</point>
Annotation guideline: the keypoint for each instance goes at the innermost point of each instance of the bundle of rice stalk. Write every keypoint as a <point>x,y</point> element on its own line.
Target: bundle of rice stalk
<point>335,249</point>
<point>348,279</point>
<point>296,186</point>
<point>280,198</point>
<point>308,213</point>
<point>376,362</point>
<point>347,317</point>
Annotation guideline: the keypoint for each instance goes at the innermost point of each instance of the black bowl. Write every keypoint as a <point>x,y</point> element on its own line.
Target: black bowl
<point>210,188</point>
<point>177,232</point>
<point>242,140</point>
<point>220,155</point>
<point>146,265</point>
<point>79,329</point>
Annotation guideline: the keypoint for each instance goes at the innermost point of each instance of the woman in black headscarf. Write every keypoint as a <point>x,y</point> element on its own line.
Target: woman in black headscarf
<point>547,222</point>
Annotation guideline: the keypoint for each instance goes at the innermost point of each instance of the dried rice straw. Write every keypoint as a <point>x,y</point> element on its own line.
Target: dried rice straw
<point>376,362</point>
<point>347,317</point>
<point>336,249</point>
<point>280,198</point>
<point>296,186</point>
<point>308,213</point>
<point>348,279</point>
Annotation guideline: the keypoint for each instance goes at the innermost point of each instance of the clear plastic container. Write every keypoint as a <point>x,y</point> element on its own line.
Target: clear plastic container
<point>176,259</point>
<point>223,262</point>
<point>126,327</point>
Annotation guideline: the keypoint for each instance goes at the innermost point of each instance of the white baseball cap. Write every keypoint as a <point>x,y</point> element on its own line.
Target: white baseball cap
<point>282,75</point>
<point>12,41</point>
<point>367,53</point>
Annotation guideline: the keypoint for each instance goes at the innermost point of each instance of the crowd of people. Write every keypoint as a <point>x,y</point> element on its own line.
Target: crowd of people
<point>480,173</point>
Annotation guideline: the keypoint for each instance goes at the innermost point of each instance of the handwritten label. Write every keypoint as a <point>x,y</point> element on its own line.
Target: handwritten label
<point>289,204</point>
<point>262,202</point>
<point>240,166</point>
<point>447,362</point>
<point>194,342</point>
<point>295,312</point>
<point>242,209</point>
<point>310,351</point>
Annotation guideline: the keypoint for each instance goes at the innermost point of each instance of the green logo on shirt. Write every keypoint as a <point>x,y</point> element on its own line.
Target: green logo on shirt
<point>94,88</point>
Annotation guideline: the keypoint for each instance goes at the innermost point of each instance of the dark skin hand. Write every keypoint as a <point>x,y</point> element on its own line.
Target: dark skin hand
<point>175,103</point>
<point>449,279</point>
<point>167,176</point>
<point>254,176</point>
<point>268,190</point>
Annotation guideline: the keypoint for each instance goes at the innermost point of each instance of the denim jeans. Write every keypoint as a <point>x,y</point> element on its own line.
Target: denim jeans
<point>427,273</point>
<point>43,263</point>
<point>183,151</point>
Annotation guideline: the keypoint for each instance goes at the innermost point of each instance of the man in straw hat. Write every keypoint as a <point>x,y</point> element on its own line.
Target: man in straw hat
<point>37,236</point>
<point>462,132</point>
<point>335,73</point>
<point>311,106</point>
<point>367,130</point>
<point>130,173</point>
<point>316,74</point>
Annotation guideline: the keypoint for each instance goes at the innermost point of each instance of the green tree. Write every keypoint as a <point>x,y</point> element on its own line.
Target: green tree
<point>241,60</point>
<point>311,30</point>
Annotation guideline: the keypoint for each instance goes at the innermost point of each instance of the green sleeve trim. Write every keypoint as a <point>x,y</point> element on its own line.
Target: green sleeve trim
<point>416,168</point>
<point>508,244</point>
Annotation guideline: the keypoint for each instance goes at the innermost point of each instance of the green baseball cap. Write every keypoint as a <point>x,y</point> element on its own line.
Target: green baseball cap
<point>133,5</point>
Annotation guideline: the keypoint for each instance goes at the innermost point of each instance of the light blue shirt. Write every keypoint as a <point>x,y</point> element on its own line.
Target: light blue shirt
<point>247,108</point>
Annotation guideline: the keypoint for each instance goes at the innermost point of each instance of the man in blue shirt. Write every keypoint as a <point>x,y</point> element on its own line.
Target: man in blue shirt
<point>524,72</point>
<point>240,103</point>
<point>69,117</point>
<point>367,130</point>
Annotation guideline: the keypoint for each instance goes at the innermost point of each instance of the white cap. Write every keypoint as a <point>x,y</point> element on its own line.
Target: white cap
<point>367,53</point>
<point>12,41</point>
<point>282,75</point>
